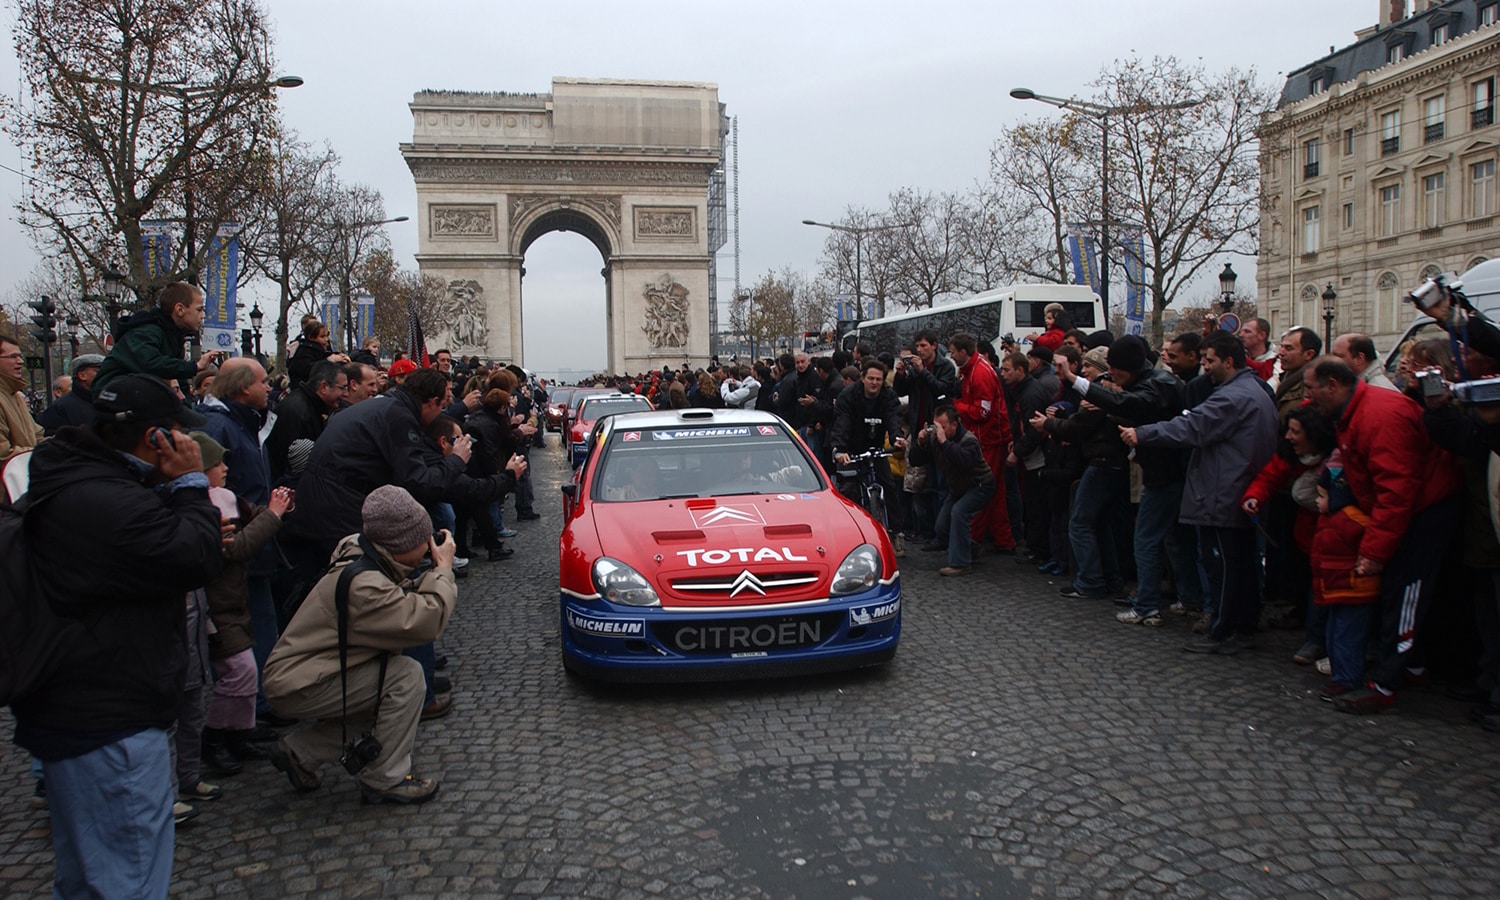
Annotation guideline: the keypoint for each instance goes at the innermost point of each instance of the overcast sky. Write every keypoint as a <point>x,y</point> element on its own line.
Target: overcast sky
<point>838,103</point>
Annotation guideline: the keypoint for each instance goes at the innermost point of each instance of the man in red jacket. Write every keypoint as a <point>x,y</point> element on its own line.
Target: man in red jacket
<point>1408,487</point>
<point>981,410</point>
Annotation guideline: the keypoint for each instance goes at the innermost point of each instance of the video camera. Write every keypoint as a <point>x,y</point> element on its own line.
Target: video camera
<point>1438,288</point>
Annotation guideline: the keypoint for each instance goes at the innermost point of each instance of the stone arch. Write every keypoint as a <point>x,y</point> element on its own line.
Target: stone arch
<point>1430,271</point>
<point>1474,262</point>
<point>632,166</point>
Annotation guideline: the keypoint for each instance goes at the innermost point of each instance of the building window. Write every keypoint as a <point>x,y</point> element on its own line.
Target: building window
<point>1390,132</point>
<point>1310,229</point>
<point>1432,118</point>
<point>1487,14</point>
<point>1482,189</point>
<point>1315,85</point>
<point>1390,210</point>
<point>1348,141</point>
<point>1348,216</point>
<point>1311,151</point>
<point>1387,306</point>
<point>1483,92</point>
<point>1433,194</point>
<point>1394,53</point>
<point>1439,34</point>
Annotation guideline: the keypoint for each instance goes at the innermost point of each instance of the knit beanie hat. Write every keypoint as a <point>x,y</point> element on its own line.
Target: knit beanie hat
<point>213,451</point>
<point>1128,354</point>
<point>394,520</point>
<point>1101,338</point>
<point>1098,358</point>
<point>297,454</point>
<point>1042,353</point>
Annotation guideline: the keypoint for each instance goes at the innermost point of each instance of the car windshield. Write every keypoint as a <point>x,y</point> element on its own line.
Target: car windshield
<point>608,406</point>
<point>706,461</point>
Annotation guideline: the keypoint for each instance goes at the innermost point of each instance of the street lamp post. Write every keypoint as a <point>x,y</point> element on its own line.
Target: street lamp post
<point>256,318</point>
<point>345,301</point>
<point>1100,114</point>
<point>73,324</point>
<point>1227,278</point>
<point>1329,295</point>
<point>859,232</point>
<point>114,289</point>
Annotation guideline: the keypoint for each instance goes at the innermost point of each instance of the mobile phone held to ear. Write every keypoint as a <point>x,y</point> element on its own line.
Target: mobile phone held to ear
<point>158,435</point>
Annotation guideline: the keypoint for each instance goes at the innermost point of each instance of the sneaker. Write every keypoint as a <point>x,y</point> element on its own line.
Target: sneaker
<point>1227,647</point>
<point>407,791</point>
<point>39,793</point>
<point>507,532</point>
<point>1368,699</point>
<point>1178,609</point>
<point>899,544</point>
<point>1308,654</point>
<point>955,570</point>
<point>200,791</point>
<point>1324,666</point>
<point>182,813</point>
<point>1333,690</point>
<point>440,662</point>
<point>303,779</point>
<point>1201,624</point>
<point>1073,593</point>
<point>1048,567</point>
<point>1136,617</point>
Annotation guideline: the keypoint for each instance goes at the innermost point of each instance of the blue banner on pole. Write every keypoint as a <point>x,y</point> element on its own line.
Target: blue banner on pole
<point>364,319</point>
<point>1135,287</point>
<point>331,314</point>
<point>156,248</point>
<point>221,272</point>
<point>1085,260</point>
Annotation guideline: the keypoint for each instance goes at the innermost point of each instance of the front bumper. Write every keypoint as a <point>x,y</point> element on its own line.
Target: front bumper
<point>617,643</point>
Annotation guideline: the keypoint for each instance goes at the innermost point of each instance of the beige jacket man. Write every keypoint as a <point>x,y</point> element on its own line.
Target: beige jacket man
<point>386,615</point>
<point>18,430</point>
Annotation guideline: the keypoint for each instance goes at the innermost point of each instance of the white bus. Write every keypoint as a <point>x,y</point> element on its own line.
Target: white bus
<point>1016,310</point>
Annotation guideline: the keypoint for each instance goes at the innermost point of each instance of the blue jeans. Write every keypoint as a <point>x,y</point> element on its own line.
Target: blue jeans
<point>955,518</point>
<point>1102,495</point>
<point>442,516</point>
<point>111,814</point>
<point>1156,535</point>
<point>264,628</point>
<point>426,655</point>
<point>1347,636</point>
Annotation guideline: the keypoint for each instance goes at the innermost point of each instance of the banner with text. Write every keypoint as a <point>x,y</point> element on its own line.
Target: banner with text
<point>364,319</point>
<point>156,248</point>
<point>1135,287</point>
<point>1085,261</point>
<point>221,272</point>
<point>331,313</point>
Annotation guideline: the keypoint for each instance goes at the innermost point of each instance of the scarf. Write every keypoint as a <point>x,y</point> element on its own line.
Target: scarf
<point>18,421</point>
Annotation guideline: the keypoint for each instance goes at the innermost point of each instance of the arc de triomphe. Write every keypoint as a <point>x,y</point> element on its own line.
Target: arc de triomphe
<point>634,166</point>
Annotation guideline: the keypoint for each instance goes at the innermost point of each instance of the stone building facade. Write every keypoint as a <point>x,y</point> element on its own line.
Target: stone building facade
<point>1378,168</point>
<point>627,164</point>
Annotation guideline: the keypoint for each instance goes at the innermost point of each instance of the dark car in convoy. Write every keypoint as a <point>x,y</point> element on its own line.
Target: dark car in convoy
<point>708,545</point>
<point>557,407</point>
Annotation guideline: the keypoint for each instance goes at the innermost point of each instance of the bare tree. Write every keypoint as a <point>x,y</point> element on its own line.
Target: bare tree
<point>1188,178</point>
<point>860,259</point>
<point>356,228</point>
<point>927,246</point>
<point>394,288</point>
<point>141,110</point>
<point>291,228</point>
<point>1039,182</point>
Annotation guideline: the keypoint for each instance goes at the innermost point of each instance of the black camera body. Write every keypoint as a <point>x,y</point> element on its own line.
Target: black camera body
<point>360,752</point>
<point>1431,382</point>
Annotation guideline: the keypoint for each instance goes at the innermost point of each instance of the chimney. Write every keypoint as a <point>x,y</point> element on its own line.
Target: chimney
<point>1391,12</point>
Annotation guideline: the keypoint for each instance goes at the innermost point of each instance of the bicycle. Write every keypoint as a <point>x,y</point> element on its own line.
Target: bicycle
<point>861,468</point>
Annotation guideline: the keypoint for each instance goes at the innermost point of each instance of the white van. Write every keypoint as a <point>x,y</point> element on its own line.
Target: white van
<point>1481,285</point>
<point>1017,310</point>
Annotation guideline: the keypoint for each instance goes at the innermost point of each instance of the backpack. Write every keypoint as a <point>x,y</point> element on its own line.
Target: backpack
<point>33,639</point>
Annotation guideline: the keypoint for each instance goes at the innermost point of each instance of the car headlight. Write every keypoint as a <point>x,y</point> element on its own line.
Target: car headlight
<point>621,584</point>
<point>858,572</point>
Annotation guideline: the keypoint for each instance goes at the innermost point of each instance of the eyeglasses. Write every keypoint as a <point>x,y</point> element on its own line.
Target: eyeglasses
<point>13,356</point>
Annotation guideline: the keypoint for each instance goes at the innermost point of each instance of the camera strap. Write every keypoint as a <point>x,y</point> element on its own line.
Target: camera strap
<point>370,562</point>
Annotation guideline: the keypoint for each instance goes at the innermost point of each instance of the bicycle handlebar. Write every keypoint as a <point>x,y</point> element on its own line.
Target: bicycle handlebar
<point>869,455</point>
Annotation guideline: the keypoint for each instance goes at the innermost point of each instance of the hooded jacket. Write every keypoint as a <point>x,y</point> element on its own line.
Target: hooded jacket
<point>120,557</point>
<point>389,610</point>
<point>149,342</point>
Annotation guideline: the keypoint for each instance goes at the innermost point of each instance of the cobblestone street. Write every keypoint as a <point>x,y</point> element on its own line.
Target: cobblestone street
<point>1019,745</point>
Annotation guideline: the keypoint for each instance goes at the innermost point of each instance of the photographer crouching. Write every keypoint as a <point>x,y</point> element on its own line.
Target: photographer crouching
<point>970,482</point>
<point>339,661</point>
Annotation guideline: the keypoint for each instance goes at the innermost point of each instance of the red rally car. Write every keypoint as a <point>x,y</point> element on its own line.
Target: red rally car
<point>708,545</point>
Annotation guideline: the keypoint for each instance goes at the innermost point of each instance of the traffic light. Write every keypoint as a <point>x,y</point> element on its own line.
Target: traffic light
<point>45,320</point>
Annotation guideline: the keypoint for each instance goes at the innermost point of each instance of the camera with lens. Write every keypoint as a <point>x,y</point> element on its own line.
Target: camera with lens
<point>1482,392</point>
<point>359,753</point>
<point>1431,382</point>
<point>1437,289</point>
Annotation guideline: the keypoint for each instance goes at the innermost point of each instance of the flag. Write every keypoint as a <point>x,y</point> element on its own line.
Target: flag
<point>364,319</point>
<point>1135,289</point>
<point>332,310</point>
<point>221,273</point>
<point>416,347</point>
<point>156,248</point>
<point>1085,260</point>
